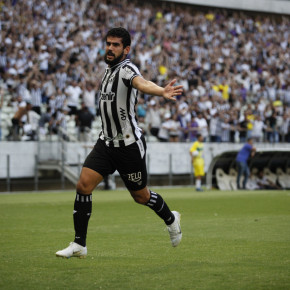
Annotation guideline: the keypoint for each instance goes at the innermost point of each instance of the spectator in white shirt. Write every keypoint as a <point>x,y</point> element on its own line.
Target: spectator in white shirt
<point>202,125</point>
<point>89,98</point>
<point>43,58</point>
<point>48,86</point>
<point>258,129</point>
<point>73,92</point>
<point>163,134</point>
<point>153,118</point>
<point>169,130</point>
<point>31,126</point>
<point>174,131</point>
<point>215,129</point>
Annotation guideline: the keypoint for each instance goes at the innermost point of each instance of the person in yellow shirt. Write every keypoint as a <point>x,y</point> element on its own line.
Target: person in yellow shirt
<point>250,124</point>
<point>196,152</point>
<point>225,89</point>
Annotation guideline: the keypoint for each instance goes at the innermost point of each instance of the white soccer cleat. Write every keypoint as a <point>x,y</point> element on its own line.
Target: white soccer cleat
<point>175,230</point>
<point>73,250</point>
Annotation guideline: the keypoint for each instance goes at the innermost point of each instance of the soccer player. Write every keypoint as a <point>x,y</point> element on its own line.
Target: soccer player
<point>247,151</point>
<point>196,151</point>
<point>121,145</point>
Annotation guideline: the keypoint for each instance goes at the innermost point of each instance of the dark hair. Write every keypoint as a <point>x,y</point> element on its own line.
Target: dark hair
<point>121,33</point>
<point>198,135</point>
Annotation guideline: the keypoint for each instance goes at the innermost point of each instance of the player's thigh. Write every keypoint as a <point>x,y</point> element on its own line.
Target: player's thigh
<point>97,165</point>
<point>131,165</point>
<point>100,159</point>
<point>134,174</point>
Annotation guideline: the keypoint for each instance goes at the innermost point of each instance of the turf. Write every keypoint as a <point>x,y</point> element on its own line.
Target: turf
<point>231,240</point>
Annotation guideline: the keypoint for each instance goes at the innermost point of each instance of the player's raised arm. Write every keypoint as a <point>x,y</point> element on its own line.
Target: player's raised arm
<point>168,92</point>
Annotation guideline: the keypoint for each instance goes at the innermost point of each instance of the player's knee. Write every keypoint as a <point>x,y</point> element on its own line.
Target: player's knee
<point>84,186</point>
<point>140,197</point>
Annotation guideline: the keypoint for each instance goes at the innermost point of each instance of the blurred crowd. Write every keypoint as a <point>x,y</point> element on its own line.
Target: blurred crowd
<point>234,67</point>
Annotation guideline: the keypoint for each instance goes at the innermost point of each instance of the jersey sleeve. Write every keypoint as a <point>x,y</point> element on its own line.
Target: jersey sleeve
<point>129,72</point>
<point>193,147</point>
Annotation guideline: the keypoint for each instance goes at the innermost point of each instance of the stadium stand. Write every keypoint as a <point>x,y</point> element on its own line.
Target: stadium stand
<point>234,65</point>
<point>283,177</point>
<point>223,180</point>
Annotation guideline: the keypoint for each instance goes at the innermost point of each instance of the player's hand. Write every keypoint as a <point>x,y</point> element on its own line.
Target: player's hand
<point>171,91</point>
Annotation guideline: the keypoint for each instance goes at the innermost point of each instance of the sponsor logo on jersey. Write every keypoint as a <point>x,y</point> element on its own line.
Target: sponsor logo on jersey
<point>123,114</point>
<point>108,96</point>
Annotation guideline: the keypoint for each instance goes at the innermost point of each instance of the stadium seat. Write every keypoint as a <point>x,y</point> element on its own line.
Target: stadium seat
<point>4,133</point>
<point>233,178</point>
<point>71,124</point>
<point>223,180</point>
<point>270,175</point>
<point>97,124</point>
<point>42,137</point>
<point>283,178</point>
<point>8,110</point>
<point>254,171</point>
<point>72,133</point>
<point>95,134</point>
<point>54,138</point>
<point>151,138</point>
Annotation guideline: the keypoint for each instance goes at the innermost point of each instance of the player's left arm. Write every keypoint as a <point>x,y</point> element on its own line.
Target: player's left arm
<point>147,87</point>
<point>193,151</point>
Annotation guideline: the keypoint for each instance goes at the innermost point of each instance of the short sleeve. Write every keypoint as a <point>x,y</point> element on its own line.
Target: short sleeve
<point>193,147</point>
<point>129,72</point>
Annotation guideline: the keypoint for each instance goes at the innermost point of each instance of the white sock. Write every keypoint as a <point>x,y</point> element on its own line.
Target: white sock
<point>198,183</point>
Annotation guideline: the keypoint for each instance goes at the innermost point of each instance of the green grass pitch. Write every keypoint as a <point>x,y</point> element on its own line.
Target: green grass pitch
<point>231,240</point>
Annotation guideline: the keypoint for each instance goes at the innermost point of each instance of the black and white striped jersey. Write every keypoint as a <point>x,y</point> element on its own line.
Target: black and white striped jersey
<point>35,97</point>
<point>117,100</point>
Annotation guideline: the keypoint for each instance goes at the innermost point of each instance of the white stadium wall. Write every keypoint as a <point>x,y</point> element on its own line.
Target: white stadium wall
<point>160,156</point>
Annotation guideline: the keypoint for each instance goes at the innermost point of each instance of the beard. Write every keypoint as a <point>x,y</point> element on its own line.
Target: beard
<point>115,60</point>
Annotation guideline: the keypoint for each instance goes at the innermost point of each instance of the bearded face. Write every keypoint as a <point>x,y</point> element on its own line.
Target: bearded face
<point>115,50</point>
<point>111,59</point>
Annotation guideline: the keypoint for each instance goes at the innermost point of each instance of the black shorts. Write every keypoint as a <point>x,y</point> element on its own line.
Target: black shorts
<point>129,161</point>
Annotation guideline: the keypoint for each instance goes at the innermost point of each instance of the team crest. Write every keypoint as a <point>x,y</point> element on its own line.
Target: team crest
<point>128,71</point>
